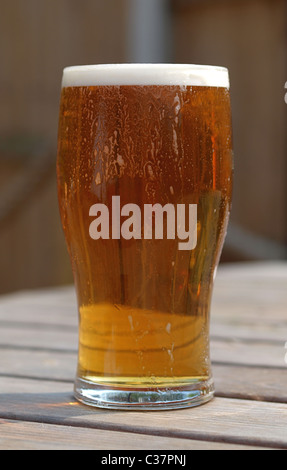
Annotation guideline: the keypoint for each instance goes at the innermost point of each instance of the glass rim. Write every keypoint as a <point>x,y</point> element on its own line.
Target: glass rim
<point>145,74</point>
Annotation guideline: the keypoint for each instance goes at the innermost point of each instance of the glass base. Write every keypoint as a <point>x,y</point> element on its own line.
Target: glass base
<point>159,398</point>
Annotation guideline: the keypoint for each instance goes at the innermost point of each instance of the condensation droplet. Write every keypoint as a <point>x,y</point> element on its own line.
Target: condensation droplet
<point>120,160</point>
<point>98,179</point>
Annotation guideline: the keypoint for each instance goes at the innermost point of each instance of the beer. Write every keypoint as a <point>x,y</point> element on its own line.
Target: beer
<point>144,182</point>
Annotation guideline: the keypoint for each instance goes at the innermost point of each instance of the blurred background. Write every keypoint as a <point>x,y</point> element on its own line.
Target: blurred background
<point>38,38</point>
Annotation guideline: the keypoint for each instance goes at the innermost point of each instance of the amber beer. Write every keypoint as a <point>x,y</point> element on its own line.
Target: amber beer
<point>132,139</point>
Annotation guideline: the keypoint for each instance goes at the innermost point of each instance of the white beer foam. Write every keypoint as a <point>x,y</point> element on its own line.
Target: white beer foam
<point>145,74</point>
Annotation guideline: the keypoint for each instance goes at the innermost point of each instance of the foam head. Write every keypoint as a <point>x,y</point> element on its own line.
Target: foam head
<point>145,74</point>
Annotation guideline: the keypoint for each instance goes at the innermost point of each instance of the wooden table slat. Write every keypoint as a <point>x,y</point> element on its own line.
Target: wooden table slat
<point>23,435</point>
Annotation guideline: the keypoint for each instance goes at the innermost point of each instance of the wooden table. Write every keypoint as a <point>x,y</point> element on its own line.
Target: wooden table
<point>38,352</point>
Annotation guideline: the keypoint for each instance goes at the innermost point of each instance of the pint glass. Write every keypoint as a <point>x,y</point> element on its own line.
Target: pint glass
<point>144,182</point>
